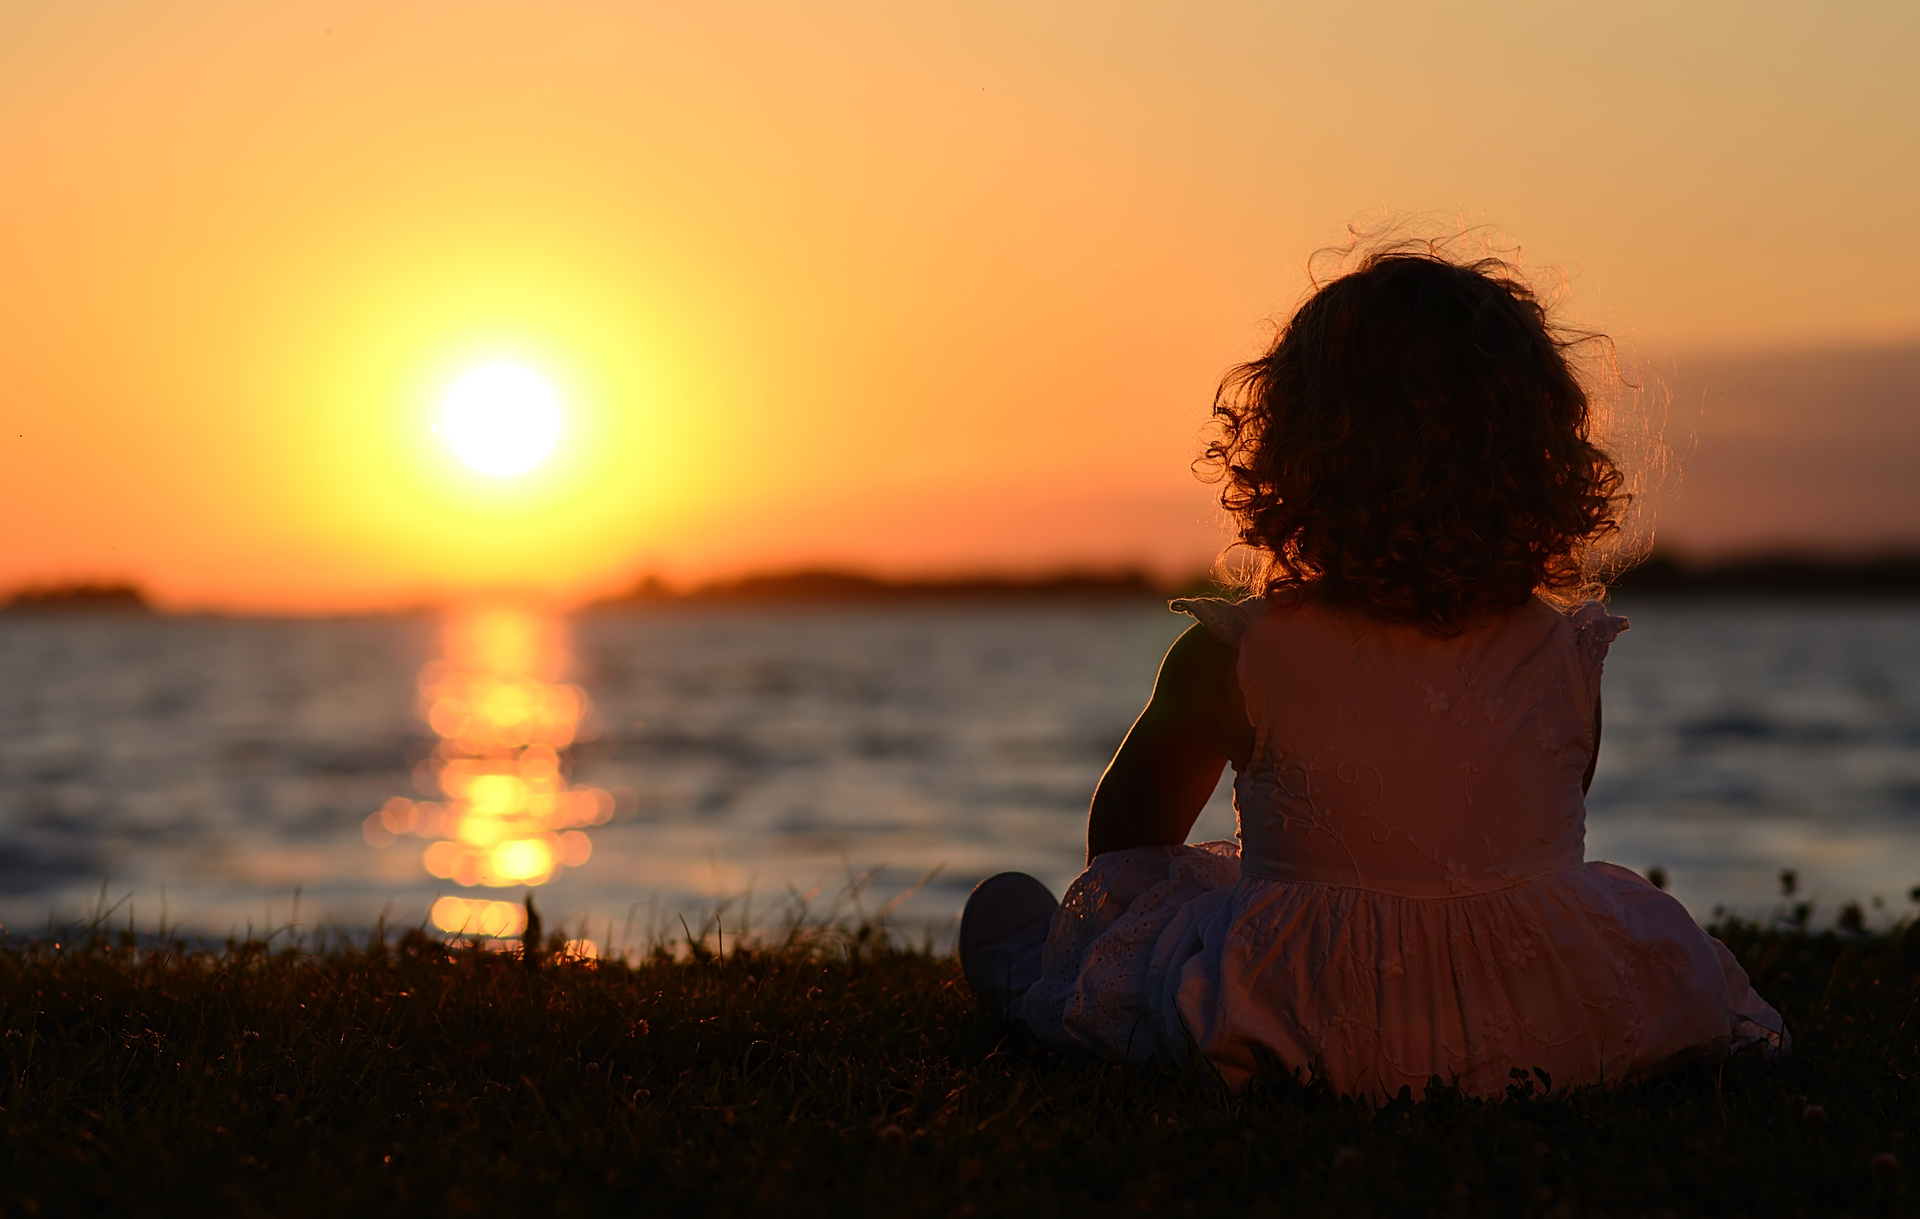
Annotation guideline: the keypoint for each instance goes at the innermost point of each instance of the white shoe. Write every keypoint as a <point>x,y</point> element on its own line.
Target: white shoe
<point>1002,933</point>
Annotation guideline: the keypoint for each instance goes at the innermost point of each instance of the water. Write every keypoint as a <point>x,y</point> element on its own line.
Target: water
<point>217,765</point>
<point>1744,738</point>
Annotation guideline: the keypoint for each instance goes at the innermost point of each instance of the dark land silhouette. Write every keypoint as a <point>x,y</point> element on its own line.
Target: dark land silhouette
<point>1776,575</point>
<point>836,586</point>
<point>80,598</point>
<point>1896,575</point>
<point>1795,575</point>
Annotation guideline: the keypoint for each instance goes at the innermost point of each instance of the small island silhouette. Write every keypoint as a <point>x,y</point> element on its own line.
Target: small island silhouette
<point>112,597</point>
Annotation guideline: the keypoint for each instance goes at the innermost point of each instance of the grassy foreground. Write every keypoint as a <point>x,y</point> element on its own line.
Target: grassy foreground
<point>839,1075</point>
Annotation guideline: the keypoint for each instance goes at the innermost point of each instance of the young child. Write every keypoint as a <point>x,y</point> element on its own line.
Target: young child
<point>1412,710</point>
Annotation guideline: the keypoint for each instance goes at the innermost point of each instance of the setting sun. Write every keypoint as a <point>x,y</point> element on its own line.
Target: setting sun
<point>501,419</point>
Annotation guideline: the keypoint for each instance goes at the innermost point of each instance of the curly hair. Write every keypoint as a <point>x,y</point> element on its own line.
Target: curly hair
<point>1416,443</point>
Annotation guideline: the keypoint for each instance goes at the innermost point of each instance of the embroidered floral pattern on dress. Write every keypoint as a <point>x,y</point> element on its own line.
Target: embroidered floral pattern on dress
<point>1408,898</point>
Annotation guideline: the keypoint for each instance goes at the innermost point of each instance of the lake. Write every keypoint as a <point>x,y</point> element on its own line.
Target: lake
<point>744,760</point>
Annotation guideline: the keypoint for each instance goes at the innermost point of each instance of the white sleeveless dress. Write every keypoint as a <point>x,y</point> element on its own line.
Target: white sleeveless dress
<point>1408,898</point>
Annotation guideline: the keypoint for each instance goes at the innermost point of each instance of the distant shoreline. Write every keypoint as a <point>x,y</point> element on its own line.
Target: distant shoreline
<point>817,586</point>
<point>1778,575</point>
<point>1662,575</point>
<point>1774,575</point>
<point>89,597</point>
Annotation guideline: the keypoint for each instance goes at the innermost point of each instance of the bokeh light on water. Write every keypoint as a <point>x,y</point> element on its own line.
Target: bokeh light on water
<point>504,813</point>
<point>480,917</point>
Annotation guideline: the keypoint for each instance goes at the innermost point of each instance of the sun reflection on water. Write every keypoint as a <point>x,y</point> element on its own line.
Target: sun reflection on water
<point>506,814</point>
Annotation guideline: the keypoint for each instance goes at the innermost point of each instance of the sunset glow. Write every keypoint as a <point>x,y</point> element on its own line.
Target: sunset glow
<point>501,419</point>
<point>918,289</point>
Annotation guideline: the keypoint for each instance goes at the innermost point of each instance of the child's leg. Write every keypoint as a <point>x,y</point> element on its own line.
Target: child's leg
<point>1002,934</point>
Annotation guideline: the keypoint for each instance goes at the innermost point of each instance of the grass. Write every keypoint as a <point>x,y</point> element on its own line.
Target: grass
<point>836,1074</point>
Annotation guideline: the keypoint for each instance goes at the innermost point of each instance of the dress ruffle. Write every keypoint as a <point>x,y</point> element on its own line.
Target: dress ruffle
<point>1226,621</point>
<point>1587,972</point>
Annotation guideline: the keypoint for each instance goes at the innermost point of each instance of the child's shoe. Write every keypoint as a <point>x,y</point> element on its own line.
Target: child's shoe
<point>1002,934</point>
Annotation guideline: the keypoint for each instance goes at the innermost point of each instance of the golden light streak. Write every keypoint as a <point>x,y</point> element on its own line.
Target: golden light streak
<point>462,916</point>
<point>507,814</point>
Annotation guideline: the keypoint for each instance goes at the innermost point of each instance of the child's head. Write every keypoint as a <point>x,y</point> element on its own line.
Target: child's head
<point>1416,443</point>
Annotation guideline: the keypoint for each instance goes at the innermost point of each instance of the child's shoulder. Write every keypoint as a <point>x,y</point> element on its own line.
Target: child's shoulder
<point>1227,620</point>
<point>1592,618</point>
<point>1588,623</point>
<point>1594,630</point>
<point>1584,624</point>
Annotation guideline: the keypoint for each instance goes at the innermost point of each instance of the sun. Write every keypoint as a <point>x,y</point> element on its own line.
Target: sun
<point>501,419</point>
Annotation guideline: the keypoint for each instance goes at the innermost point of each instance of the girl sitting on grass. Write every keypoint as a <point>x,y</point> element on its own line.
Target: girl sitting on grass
<point>1412,709</point>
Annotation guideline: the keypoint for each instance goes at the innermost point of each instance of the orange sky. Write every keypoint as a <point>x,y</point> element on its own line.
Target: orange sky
<point>913,286</point>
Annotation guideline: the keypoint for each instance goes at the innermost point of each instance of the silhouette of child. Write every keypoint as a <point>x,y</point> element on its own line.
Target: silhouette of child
<point>1411,705</point>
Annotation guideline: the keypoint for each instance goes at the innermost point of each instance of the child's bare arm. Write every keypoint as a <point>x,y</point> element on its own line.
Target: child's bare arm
<point>1195,723</point>
<point>1593,763</point>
